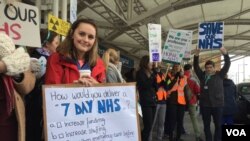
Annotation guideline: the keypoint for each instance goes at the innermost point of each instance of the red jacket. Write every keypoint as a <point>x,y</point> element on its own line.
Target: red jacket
<point>195,88</point>
<point>62,71</point>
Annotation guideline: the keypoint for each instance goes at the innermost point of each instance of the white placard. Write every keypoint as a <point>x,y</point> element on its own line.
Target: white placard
<point>21,22</point>
<point>73,10</point>
<point>154,39</point>
<point>106,113</point>
<point>175,46</point>
<point>211,35</point>
<point>187,53</point>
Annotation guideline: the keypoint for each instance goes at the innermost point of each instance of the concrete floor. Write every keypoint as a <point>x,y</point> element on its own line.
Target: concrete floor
<point>190,136</point>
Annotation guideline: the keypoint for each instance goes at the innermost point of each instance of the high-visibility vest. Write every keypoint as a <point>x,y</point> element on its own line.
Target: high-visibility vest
<point>161,92</point>
<point>159,78</point>
<point>179,87</point>
<point>169,75</point>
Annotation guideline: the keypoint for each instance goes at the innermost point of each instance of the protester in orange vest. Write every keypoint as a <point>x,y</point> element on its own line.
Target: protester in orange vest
<point>161,97</point>
<point>175,85</point>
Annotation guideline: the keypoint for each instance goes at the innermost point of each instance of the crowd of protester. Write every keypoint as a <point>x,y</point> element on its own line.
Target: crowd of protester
<point>165,92</point>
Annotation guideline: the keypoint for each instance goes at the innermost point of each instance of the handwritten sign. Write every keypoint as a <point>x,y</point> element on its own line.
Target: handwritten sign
<point>58,25</point>
<point>187,53</point>
<point>154,39</point>
<point>175,46</point>
<point>211,35</point>
<point>20,22</point>
<point>75,113</point>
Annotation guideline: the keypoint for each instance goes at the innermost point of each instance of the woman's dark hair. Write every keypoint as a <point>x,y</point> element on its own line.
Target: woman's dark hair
<point>67,48</point>
<point>47,36</point>
<point>144,62</point>
<point>130,75</point>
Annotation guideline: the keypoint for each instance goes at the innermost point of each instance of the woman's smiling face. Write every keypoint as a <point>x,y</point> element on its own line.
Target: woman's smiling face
<point>84,38</point>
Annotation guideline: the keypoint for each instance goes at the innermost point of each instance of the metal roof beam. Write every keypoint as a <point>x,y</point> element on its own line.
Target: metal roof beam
<point>124,44</point>
<point>232,37</point>
<point>230,49</point>
<point>147,16</point>
<point>228,22</point>
<point>118,4</point>
<point>164,9</point>
<point>238,37</point>
<point>117,45</point>
<point>105,25</point>
<point>130,8</point>
<point>114,34</point>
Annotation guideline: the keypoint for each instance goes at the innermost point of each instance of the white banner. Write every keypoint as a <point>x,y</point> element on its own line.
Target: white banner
<point>21,22</point>
<point>177,42</point>
<point>73,10</point>
<point>187,54</point>
<point>154,39</point>
<point>211,35</point>
<point>106,113</point>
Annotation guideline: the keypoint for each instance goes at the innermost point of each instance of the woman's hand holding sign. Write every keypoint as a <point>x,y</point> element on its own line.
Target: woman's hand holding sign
<point>87,81</point>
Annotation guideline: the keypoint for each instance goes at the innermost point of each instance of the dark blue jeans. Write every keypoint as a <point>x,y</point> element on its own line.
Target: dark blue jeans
<point>216,113</point>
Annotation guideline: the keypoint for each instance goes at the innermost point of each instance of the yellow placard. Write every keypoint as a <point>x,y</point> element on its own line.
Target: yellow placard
<point>58,25</point>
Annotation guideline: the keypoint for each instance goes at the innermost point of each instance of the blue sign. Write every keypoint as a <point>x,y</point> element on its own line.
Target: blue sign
<point>210,35</point>
<point>155,57</point>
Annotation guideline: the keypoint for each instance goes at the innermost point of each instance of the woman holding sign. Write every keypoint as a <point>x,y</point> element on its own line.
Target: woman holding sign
<point>76,53</point>
<point>145,79</point>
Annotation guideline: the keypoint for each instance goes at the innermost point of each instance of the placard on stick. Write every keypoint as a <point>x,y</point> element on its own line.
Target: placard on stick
<point>175,46</point>
<point>104,112</point>
<point>211,35</point>
<point>21,23</point>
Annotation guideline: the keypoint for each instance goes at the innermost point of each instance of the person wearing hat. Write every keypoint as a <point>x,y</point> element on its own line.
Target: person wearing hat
<point>16,80</point>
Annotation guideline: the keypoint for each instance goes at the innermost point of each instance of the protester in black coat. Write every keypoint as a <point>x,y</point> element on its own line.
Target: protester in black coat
<point>145,85</point>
